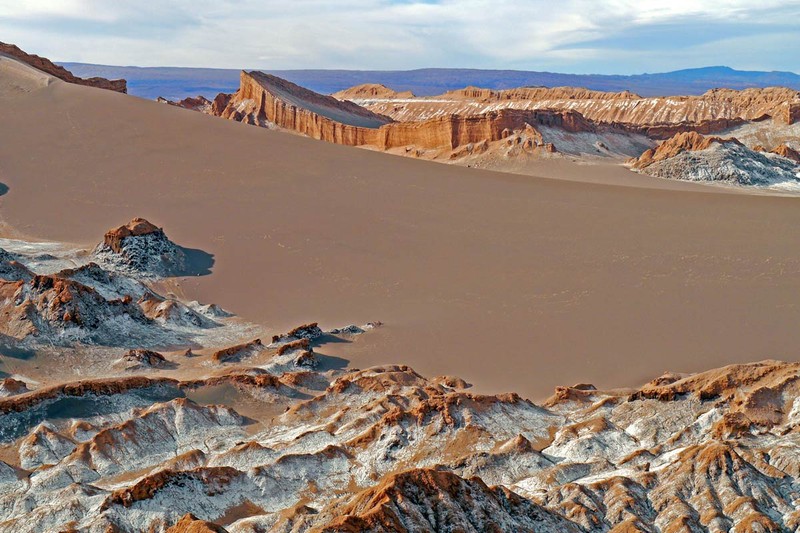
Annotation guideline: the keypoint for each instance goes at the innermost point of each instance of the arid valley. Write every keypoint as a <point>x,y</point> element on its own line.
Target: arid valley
<point>489,309</point>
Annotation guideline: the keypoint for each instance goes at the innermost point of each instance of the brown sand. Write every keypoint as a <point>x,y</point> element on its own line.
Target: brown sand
<point>512,282</point>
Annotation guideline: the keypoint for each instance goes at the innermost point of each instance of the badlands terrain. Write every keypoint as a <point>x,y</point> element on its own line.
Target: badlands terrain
<point>216,326</point>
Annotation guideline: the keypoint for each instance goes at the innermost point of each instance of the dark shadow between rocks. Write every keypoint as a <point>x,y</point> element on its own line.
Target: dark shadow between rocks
<point>198,262</point>
<point>3,189</point>
<point>327,338</point>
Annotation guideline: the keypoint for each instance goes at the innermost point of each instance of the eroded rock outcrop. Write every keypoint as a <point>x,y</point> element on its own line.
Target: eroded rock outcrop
<point>194,103</point>
<point>370,91</point>
<point>56,307</point>
<point>693,157</point>
<point>140,247</point>
<point>47,66</point>
<point>386,449</point>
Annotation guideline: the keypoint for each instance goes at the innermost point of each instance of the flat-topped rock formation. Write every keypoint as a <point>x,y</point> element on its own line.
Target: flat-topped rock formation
<point>369,91</point>
<point>48,67</point>
<point>141,247</point>
<point>716,109</point>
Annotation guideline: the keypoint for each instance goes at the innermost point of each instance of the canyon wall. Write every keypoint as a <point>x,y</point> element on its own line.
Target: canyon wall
<point>265,100</point>
<point>381,118</point>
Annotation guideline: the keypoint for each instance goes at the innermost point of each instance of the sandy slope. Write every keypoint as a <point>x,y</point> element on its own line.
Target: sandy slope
<point>514,282</point>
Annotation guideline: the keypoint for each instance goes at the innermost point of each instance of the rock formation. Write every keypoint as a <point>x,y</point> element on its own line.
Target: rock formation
<point>191,524</point>
<point>467,124</point>
<point>690,156</point>
<point>385,449</point>
<point>713,111</point>
<point>142,248</point>
<point>197,103</point>
<point>47,66</point>
<point>370,91</point>
<point>54,307</point>
<point>265,100</point>
<point>144,358</point>
<point>109,306</point>
<point>787,152</point>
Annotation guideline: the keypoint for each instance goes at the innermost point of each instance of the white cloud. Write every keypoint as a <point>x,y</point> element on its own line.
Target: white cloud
<point>570,35</point>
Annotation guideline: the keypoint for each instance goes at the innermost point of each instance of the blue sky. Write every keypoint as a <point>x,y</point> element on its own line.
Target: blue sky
<point>575,36</point>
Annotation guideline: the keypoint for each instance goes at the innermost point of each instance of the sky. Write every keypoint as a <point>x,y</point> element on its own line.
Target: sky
<point>570,36</point>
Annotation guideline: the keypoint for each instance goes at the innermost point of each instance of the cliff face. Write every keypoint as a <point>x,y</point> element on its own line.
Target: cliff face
<point>266,100</point>
<point>450,132</point>
<point>466,122</point>
<point>47,66</point>
<point>712,111</point>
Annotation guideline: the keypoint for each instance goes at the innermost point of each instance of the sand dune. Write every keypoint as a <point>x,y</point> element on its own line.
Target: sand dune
<point>17,77</point>
<point>513,282</point>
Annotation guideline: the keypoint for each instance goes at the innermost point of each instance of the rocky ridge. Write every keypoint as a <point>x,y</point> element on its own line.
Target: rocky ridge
<point>48,67</point>
<point>385,450</point>
<point>472,125</point>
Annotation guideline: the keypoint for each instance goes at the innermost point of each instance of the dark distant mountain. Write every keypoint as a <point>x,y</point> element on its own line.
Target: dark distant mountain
<point>178,83</point>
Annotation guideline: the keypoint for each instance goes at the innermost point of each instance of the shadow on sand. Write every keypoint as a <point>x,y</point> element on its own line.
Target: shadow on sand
<point>329,362</point>
<point>3,189</point>
<point>198,262</point>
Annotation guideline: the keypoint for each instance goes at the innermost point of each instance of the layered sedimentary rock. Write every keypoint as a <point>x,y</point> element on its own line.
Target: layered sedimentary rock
<point>717,109</point>
<point>467,124</point>
<point>269,101</point>
<point>266,100</point>
<point>47,66</point>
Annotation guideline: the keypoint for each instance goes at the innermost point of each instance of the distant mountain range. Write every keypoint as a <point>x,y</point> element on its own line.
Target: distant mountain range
<point>177,83</point>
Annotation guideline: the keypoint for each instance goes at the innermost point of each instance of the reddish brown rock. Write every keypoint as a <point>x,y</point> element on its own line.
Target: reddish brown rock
<point>47,66</point>
<point>682,142</point>
<point>787,152</point>
<point>792,113</point>
<point>135,228</point>
<point>194,103</point>
<point>370,90</point>
<point>214,478</point>
<point>191,524</point>
<point>235,353</point>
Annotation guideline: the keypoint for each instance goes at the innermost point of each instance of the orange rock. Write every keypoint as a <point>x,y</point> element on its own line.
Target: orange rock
<point>191,524</point>
<point>787,152</point>
<point>682,142</point>
<point>136,227</point>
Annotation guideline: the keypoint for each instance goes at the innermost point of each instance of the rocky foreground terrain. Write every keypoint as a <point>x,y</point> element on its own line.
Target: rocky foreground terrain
<point>265,436</point>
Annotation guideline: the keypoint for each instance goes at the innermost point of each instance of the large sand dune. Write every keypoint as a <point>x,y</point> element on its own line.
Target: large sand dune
<point>514,282</point>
